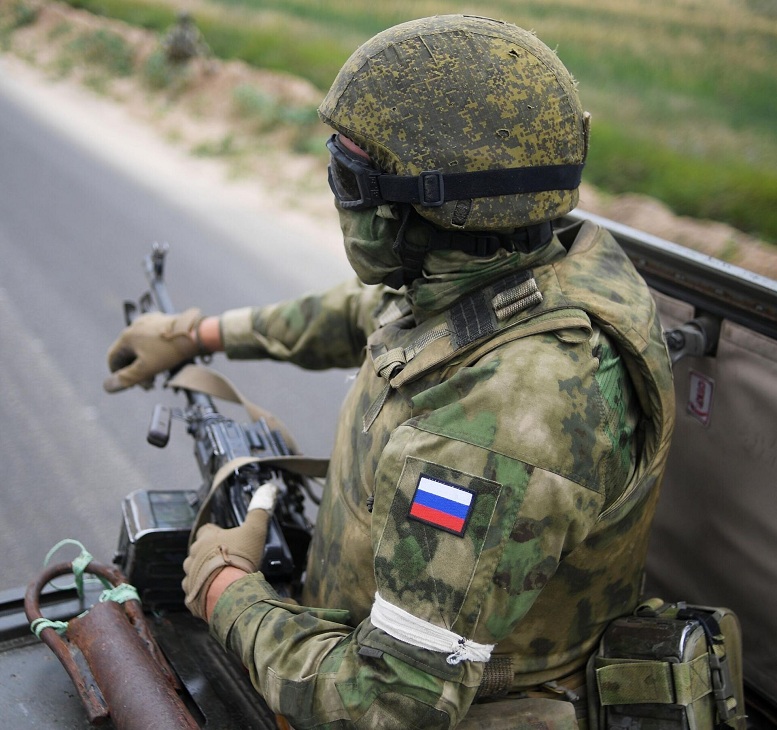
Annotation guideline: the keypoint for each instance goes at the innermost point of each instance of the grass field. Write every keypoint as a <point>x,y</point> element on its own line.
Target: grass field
<point>683,93</point>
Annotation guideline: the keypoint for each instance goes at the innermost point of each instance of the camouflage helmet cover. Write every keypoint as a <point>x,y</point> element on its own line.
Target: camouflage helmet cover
<point>461,93</point>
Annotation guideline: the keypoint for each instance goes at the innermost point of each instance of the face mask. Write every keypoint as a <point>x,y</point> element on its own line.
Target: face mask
<point>369,244</point>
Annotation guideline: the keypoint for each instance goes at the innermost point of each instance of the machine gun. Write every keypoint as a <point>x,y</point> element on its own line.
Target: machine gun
<point>234,459</point>
<point>135,658</point>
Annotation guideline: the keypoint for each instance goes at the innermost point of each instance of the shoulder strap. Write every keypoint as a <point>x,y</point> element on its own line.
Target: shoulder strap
<point>508,309</point>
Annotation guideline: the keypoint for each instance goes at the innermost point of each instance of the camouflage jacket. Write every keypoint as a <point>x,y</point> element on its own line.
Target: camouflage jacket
<point>494,475</point>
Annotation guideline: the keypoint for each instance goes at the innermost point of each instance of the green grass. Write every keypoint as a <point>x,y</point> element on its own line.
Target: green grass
<point>268,111</point>
<point>18,14</point>
<point>105,50</point>
<point>154,16</point>
<point>729,191</point>
<point>14,16</point>
<point>158,74</point>
<point>683,94</point>
<point>224,147</point>
<point>265,112</point>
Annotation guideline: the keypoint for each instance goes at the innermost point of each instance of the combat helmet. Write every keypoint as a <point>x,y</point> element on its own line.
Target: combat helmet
<point>433,98</point>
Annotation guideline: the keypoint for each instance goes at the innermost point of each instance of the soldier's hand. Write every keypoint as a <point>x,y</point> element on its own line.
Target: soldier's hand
<point>215,548</point>
<point>152,344</point>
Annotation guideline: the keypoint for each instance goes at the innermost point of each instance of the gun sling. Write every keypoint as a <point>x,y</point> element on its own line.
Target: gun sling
<point>207,381</point>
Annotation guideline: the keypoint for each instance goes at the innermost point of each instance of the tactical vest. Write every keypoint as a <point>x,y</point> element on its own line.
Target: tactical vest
<point>594,282</point>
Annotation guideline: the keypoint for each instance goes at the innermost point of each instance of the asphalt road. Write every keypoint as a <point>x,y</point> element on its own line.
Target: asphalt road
<point>74,229</point>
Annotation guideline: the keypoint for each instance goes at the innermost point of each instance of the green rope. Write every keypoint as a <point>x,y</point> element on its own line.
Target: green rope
<point>79,564</point>
<point>39,624</point>
<point>118,594</point>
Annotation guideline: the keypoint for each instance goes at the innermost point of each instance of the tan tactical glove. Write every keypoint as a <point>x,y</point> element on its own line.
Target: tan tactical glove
<point>153,343</point>
<point>214,548</point>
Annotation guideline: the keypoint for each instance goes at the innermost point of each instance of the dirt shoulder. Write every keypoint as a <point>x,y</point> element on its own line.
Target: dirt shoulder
<point>190,132</point>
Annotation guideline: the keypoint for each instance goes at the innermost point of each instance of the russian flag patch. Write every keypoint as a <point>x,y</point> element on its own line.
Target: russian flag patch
<point>442,505</point>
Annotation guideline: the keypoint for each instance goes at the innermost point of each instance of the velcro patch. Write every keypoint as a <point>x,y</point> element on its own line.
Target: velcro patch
<point>442,504</point>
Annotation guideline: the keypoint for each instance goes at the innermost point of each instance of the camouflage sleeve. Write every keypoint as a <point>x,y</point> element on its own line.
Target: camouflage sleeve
<point>475,507</point>
<point>489,499</point>
<point>318,671</point>
<point>316,331</point>
<point>475,580</point>
<point>471,547</point>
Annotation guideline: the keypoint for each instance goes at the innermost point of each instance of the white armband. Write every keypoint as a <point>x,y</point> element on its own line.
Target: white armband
<point>401,625</point>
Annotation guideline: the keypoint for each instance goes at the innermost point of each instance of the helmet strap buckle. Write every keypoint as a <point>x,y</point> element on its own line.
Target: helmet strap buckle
<point>431,189</point>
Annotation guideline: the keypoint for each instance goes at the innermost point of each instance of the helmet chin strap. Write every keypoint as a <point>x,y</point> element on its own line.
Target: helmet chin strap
<point>411,255</point>
<point>475,243</point>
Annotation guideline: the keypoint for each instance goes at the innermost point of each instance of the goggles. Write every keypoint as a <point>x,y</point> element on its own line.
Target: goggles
<point>353,179</point>
<point>358,184</point>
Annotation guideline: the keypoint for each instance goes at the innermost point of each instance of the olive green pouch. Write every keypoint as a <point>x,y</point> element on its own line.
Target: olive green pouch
<point>668,667</point>
<point>520,714</point>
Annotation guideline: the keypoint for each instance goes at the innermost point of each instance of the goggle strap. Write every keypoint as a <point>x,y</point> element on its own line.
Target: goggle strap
<point>433,188</point>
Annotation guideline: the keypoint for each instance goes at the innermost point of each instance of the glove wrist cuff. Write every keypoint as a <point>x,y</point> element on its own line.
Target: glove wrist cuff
<point>195,335</point>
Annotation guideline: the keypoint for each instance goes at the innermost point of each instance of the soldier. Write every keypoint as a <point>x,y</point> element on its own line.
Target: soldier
<point>184,41</point>
<point>498,459</point>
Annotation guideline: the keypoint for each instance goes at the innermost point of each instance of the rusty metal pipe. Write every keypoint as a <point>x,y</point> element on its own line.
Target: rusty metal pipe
<point>90,695</point>
<point>137,692</point>
<point>113,660</point>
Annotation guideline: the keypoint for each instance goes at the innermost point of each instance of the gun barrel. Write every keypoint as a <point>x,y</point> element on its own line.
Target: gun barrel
<point>155,273</point>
